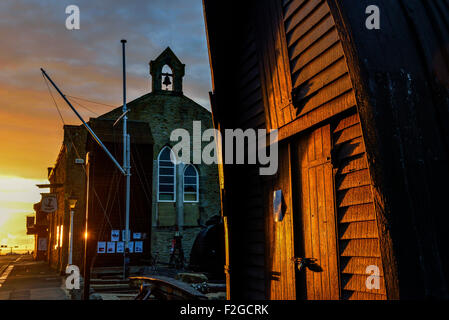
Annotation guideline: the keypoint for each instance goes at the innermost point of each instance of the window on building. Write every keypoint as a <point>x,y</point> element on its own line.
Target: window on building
<point>191,184</point>
<point>166,176</point>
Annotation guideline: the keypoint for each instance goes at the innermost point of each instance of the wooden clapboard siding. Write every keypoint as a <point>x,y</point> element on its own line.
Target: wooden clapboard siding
<point>315,215</point>
<point>357,225</point>
<point>248,111</point>
<point>273,63</point>
<point>280,239</point>
<point>319,77</point>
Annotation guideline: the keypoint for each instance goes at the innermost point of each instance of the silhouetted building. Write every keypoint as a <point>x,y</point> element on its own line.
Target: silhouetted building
<point>165,197</point>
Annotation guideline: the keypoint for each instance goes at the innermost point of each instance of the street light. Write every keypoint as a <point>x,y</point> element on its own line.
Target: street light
<point>72,204</point>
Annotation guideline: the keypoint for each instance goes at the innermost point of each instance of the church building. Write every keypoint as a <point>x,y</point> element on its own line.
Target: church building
<point>167,199</point>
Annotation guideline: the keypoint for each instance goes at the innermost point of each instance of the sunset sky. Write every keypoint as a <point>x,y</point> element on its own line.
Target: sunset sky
<point>85,63</point>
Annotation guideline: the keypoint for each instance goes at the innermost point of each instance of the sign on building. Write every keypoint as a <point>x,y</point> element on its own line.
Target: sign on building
<point>138,246</point>
<point>120,247</point>
<point>101,247</point>
<point>42,244</point>
<point>111,247</point>
<point>123,235</point>
<point>115,235</point>
<point>30,221</point>
<point>137,235</point>
<point>49,202</point>
<point>131,246</point>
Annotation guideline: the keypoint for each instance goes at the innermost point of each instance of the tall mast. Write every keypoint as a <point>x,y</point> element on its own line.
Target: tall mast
<point>127,167</point>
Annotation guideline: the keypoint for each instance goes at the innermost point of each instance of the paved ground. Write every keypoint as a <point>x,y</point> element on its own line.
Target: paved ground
<point>21,278</point>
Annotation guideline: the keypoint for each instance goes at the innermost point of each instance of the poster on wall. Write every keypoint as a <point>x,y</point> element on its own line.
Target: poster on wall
<point>101,247</point>
<point>111,247</point>
<point>115,235</point>
<point>137,235</point>
<point>123,235</point>
<point>120,247</point>
<point>42,245</point>
<point>49,202</point>
<point>138,247</point>
<point>131,246</point>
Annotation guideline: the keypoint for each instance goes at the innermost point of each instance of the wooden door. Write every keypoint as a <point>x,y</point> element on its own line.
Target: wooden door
<point>316,240</point>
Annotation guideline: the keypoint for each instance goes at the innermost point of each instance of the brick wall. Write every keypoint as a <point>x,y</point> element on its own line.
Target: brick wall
<point>164,112</point>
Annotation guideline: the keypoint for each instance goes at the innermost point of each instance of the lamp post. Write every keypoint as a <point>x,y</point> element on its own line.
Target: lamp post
<point>72,204</point>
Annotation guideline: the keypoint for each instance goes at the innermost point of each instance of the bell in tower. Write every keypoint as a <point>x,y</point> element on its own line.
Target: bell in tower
<point>161,80</point>
<point>167,80</point>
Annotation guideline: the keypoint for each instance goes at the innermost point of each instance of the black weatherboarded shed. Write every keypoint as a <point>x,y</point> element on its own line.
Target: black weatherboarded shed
<point>362,117</point>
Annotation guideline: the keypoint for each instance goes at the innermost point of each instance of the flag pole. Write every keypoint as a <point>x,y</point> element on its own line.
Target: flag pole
<point>127,167</point>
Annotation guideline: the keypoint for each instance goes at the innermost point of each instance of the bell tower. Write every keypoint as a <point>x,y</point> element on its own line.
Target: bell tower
<point>164,81</point>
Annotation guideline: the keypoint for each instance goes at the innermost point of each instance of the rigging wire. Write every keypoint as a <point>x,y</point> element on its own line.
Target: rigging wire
<point>76,150</point>
<point>82,106</point>
<point>91,101</point>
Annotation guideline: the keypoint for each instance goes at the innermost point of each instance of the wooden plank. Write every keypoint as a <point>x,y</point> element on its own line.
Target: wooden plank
<point>250,64</point>
<point>257,121</point>
<point>256,259</point>
<point>317,65</point>
<point>317,214</point>
<point>294,23</point>
<point>322,79</point>
<point>353,179</point>
<point>250,100</point>
<point>290,236</point>
<point>257,248</point>
<point>358,265</point>
<point>360,248</point>
<point>326,94</point>
<point>252,86</point>
<point>306,208</point>
<point>316,293</point>
<point>323,235</point>
<point>254,273</point>
<point>281,56</point>
<point>353,295</point>
<point>256,225</point>
<point>353,164</point>
<point>256,285</point>
<point>346,122</point>
<point>359,230</point>
<point>296,48</point>
<point>330,223</point>
<point>248,78</point>
<point>358,283</point>
<point>347,134</point>
<point>324,112</point>
<point>291,7</point>
<point>247,52</point>
<point>255,236</point>
<point>254,111</point>
<point>354,196</point>
<point>364,212</point>
<point>299,59</point>
<point>351,148</point>
<point>305,25</point>
<point>269,65</point>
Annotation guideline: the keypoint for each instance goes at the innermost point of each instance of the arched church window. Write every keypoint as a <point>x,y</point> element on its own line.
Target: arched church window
<point>166,191</point>
<point>167,78</point>
<point>191,184</point>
